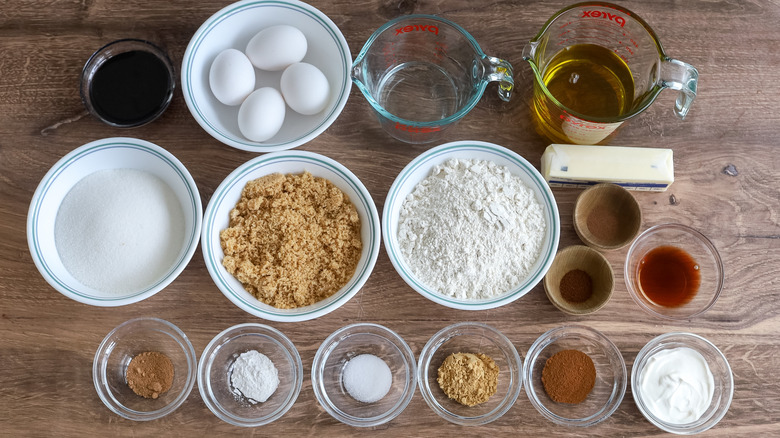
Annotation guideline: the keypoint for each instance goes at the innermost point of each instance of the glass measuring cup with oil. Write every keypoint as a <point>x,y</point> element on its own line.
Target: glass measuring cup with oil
<point>597,65</point>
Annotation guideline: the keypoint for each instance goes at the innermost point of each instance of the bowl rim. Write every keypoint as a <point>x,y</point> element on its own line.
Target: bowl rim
<point>191,238</point>
<point>323,352</point>
<point>644,354</point>
<point>107,345</point>
<point>259,329</point>
<point>362,273</point>
<point>548,203</point>
<point>236,8</point>
<point>547,338</point>
<point>432,346</point>
<point>636,295</point>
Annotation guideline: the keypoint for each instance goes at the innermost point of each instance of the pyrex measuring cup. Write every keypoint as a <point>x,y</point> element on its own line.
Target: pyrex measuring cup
<point>596,65</point>
<point>421,74</point>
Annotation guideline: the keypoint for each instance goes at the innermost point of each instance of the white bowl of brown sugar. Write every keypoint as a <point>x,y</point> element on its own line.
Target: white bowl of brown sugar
<point>290,236</point>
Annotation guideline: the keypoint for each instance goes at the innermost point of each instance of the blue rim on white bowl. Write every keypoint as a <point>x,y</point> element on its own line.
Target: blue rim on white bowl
<point>233,27</point>
<point>420,168</point>
<point>108,153</point>
<point>216,218</point>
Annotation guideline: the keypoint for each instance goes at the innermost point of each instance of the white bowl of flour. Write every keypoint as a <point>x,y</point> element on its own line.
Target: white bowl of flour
<point>471,225</point>
<point>114,222</point>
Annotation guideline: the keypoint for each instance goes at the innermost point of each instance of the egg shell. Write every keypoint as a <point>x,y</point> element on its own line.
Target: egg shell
<point>231,77</point>
<point>305,88</point>
<point>262,114</point>
<point>275,48</point>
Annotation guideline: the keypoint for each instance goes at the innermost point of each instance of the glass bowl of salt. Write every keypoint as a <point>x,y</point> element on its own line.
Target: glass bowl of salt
<point>364,375</point>
<point>250,375</point>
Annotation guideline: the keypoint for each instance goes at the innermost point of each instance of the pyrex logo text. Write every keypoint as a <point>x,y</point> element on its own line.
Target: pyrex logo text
<point>417,27</point>
<point>599,14</point>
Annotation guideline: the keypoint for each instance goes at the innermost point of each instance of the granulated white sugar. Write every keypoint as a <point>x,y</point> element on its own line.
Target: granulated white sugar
<point>119,230</point>
<point>471,230</point>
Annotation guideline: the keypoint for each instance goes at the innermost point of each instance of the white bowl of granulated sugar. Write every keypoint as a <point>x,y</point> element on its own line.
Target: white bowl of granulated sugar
<point>114,222</point>
<point>471,225</point>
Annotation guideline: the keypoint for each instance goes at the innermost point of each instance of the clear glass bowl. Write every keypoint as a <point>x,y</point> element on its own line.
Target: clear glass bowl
<point>694,243</point>
<point>351,341</point>
<point>109,369</point>
<point>611,376</point>
<point>115,48</point>
<point>215,366</point>
<point>470,337</point>
<point>721,372</point>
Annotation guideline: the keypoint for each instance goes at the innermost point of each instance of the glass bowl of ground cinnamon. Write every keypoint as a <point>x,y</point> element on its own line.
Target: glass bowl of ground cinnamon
<point>469,373</point>
<point>144,369</point>
<point>575,376</point>
<point>290,236</point>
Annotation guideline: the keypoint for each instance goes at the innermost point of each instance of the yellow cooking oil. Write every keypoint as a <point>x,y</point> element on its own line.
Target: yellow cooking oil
<point>588,79</point>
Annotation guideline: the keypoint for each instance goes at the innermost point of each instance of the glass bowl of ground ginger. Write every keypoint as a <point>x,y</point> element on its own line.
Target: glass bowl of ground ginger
<point>575,376</point>
<point>144,369</point>
<point>469,373</point>
<point>290,236</point>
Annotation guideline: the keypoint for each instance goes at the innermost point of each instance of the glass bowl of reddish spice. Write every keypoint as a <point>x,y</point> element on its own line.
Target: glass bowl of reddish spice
<point>144,369</point>
<point>575,376</point>
<point>674,272</point>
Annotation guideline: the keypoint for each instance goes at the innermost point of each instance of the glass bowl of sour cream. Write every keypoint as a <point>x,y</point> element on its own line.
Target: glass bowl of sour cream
<point>682,383</point>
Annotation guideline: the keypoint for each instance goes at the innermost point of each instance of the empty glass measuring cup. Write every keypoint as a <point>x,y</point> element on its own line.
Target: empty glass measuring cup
<point>596,65</point>
<point>421,74</point>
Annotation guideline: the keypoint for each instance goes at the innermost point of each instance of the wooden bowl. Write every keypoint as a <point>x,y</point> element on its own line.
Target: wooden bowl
<point>607,217</point>
<point>592,262</point>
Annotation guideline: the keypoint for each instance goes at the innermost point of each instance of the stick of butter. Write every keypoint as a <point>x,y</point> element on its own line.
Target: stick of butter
<point>646,169</point>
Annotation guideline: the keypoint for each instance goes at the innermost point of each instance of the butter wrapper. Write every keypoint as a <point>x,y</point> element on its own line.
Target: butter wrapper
<point>643,169</point>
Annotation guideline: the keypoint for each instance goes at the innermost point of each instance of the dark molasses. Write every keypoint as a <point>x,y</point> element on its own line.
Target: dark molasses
<point>131,88</point>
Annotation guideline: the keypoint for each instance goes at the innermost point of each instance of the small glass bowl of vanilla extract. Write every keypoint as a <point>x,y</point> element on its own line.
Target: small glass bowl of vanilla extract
<point>127,83</point>
<point>674,272</point>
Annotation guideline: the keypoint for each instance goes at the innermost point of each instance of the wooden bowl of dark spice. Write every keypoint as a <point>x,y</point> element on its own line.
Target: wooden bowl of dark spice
<point>607,217</point>
<point>580,280</point>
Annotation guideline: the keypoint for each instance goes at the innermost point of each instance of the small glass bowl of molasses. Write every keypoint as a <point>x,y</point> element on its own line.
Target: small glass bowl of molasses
<point>127,83</point>
<point>674,272</point>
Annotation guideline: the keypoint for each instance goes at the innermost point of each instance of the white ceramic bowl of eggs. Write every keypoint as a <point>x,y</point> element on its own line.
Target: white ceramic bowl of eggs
<point>265,76</point>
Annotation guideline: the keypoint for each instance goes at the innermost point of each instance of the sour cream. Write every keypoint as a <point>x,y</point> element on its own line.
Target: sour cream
<point>677,385</point>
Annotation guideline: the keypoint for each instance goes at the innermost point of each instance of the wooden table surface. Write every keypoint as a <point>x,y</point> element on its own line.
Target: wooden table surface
<point>727,186</point>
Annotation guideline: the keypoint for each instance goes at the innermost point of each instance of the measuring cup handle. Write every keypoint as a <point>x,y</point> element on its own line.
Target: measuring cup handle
<point>500,71</point>
<point>678,75</point>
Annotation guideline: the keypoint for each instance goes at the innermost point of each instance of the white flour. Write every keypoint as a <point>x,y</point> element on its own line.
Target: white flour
<point>471,230</point>
<point>254,376</point>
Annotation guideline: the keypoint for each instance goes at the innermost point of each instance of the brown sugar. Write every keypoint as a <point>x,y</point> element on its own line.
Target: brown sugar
<point>292,240</point>
<point>150,374</point>
<point>467,378</point>
<point>569,376</point>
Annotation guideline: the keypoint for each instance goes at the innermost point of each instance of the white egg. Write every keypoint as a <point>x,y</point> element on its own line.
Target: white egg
<point>262,114</point>
<point>231,77</point>
<point>276,47</point>
<point>305,88</point>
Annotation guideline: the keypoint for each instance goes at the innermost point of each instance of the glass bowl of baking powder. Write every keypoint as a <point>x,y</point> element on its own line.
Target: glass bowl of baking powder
<point>471,225</point>
<point>250,375</point>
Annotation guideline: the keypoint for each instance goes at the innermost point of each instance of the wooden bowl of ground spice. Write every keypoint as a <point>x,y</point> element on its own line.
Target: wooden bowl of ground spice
<point>607,217</point>
<point>575,376</point>
<point>580,280</point>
